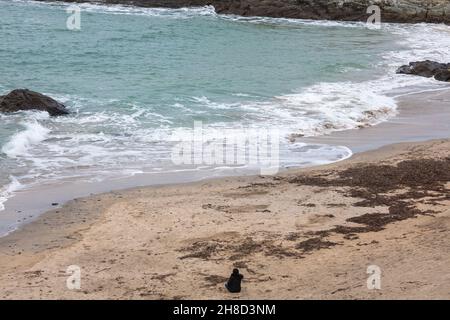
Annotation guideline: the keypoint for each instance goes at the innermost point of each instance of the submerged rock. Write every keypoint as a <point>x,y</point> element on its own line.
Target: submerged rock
<point>427,68</point>
<point>24,99</point>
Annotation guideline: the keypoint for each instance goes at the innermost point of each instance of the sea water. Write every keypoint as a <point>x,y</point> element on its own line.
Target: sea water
<point>131,77</point>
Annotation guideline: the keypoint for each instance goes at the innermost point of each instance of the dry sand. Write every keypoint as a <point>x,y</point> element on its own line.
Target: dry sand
<point>303,234</point>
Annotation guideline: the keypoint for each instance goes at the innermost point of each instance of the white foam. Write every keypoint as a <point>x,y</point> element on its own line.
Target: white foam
<point>8,191</point>
<point>152,12</point>
<point>119,9</point>
<point>319,154</point>
<point>423,41</point>
<point>292,22</point>
<point>318,109</point>
<point>22,141</point>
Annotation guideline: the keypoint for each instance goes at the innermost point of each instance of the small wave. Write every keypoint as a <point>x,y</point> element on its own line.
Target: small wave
<point>328,107</point>
<point>119,9</point>
<point>318,109</point>
<point>422,41</point>
<point>153,12</point>
<point>291,22</point>
<point>319,154</point>
<point>8,191</point>
<point>20,142</point>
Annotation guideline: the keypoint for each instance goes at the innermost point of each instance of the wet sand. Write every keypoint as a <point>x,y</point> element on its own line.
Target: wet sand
<point>303,234</point>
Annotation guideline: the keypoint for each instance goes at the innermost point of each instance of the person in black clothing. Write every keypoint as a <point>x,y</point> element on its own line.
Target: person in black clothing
<point>234,283</point>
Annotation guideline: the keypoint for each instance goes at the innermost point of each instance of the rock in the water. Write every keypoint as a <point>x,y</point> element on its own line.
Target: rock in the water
<point>24,99</point>
<point>427,68</point>
<point>443,75</point>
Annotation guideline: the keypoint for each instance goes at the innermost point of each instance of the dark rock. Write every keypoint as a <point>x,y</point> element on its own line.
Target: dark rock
<point>443,75</point>
<point>24,99</point>
<point>427,68</point>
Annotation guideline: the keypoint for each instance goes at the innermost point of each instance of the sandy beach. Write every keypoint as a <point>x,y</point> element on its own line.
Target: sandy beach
<point>303,234</point>
<point>134,135</point>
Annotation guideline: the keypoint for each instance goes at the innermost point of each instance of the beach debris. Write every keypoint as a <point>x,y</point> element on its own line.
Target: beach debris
<point>234,282</point>
<point>24,99</point>
<point>428,69</point>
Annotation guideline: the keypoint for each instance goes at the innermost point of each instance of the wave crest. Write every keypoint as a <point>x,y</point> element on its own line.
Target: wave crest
<point>22,141</point>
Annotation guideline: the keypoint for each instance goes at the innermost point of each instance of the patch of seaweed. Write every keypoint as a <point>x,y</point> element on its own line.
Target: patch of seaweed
<point>214,280</point>
<point>201,249</point>
<point>314,244</point>
<point>377,221</point>
<point>236,250</point>
<point>427,174</point>
<point>423,178</point>
<point>293,236</point>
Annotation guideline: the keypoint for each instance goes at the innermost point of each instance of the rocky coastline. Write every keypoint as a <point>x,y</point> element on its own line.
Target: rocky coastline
<point>402,11</point>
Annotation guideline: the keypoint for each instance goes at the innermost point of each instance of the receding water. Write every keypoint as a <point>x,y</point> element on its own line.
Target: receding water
<point>131,76</point>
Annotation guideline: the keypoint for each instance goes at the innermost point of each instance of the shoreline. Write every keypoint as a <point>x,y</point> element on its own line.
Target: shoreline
<point>162,242</point>
<point>409,125</point>
<point>403,11</point>
<point>28,204</point>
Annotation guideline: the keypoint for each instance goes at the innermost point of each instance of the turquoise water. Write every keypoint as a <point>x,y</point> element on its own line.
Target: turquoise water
<point>131,76</point>
<point>160,60</point>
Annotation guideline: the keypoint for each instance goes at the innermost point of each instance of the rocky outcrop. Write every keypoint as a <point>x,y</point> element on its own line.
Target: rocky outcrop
<point>24,99</point>
<point>435,11</point>
<point>440,71</point>
<point>347,10</point>
<point>443,75</point>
